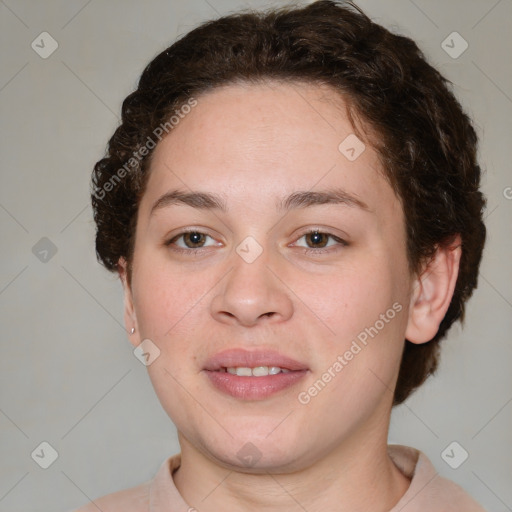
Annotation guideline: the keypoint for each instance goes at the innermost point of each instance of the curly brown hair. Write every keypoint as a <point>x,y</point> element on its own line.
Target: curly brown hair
<point>425,141</point>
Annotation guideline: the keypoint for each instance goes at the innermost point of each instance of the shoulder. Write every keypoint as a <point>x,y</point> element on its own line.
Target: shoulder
<point>135,499</point>
<point>453,497</point>
<point>428,491</point>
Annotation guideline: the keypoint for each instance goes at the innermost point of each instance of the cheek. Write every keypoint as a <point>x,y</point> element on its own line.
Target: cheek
<point>360,311</point>
<point>351,298</point>
<point>166,297</point>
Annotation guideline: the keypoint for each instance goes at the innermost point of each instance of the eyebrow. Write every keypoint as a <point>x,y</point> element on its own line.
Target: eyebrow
<point>299,199</point>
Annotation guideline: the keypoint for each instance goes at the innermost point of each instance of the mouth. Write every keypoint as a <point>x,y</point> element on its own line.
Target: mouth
<point>243,359</point>
<point>257,371</point>
<point>253,375</point>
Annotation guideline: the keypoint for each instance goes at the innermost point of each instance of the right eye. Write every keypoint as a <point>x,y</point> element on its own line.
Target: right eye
<point>189,241</point>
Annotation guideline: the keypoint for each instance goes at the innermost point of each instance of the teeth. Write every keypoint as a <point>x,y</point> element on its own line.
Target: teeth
<point>258,371</point>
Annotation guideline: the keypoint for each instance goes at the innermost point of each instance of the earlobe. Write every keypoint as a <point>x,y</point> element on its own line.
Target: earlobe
<point>130,317</point>
<point>433,292</point>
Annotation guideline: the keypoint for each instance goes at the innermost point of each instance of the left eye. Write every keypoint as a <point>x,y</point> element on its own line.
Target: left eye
<point>319,240</point>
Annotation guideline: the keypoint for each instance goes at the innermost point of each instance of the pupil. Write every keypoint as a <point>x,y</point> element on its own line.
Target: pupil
<point>316,238</point>
<point>194,237</point>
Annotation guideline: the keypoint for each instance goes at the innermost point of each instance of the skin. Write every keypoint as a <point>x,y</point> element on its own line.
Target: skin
<point>254,145</point>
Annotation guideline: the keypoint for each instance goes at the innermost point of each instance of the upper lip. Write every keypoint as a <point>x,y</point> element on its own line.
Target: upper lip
<point>239,357</point>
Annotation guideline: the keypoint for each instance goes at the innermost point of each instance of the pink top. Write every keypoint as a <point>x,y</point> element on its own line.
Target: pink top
<point>428,492</point>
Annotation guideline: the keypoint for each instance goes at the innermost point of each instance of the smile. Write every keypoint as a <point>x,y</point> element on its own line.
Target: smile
<point>258,371</point>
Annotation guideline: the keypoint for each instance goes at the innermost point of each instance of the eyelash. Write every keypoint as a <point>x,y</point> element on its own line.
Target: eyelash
<point>307,250</point>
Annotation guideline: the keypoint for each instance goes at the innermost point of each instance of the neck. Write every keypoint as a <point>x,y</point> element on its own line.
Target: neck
<point>358,474</point>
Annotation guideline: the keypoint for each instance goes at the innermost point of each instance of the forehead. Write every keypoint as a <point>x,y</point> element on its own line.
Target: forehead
<point>257,142</point>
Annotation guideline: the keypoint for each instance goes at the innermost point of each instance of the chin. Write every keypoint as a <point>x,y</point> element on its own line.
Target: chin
<point>257,452</point>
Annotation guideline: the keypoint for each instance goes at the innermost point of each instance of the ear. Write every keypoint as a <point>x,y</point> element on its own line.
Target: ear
<point>432,293</point>
<point>130,317</point>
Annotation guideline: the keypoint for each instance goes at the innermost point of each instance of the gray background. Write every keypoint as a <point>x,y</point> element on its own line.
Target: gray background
<point>68,374</point>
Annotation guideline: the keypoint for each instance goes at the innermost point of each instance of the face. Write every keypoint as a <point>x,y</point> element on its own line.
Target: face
<point>296,259</point>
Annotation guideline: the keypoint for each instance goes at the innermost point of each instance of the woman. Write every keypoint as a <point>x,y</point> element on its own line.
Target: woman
<point>292,204</point>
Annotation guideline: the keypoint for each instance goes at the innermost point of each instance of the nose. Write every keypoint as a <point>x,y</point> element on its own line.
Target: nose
<point>252,293</point>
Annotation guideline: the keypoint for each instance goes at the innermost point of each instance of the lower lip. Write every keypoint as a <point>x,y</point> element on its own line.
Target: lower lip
<point>254,388</point>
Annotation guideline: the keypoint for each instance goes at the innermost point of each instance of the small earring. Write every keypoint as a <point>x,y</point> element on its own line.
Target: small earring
<point>133,330</point>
